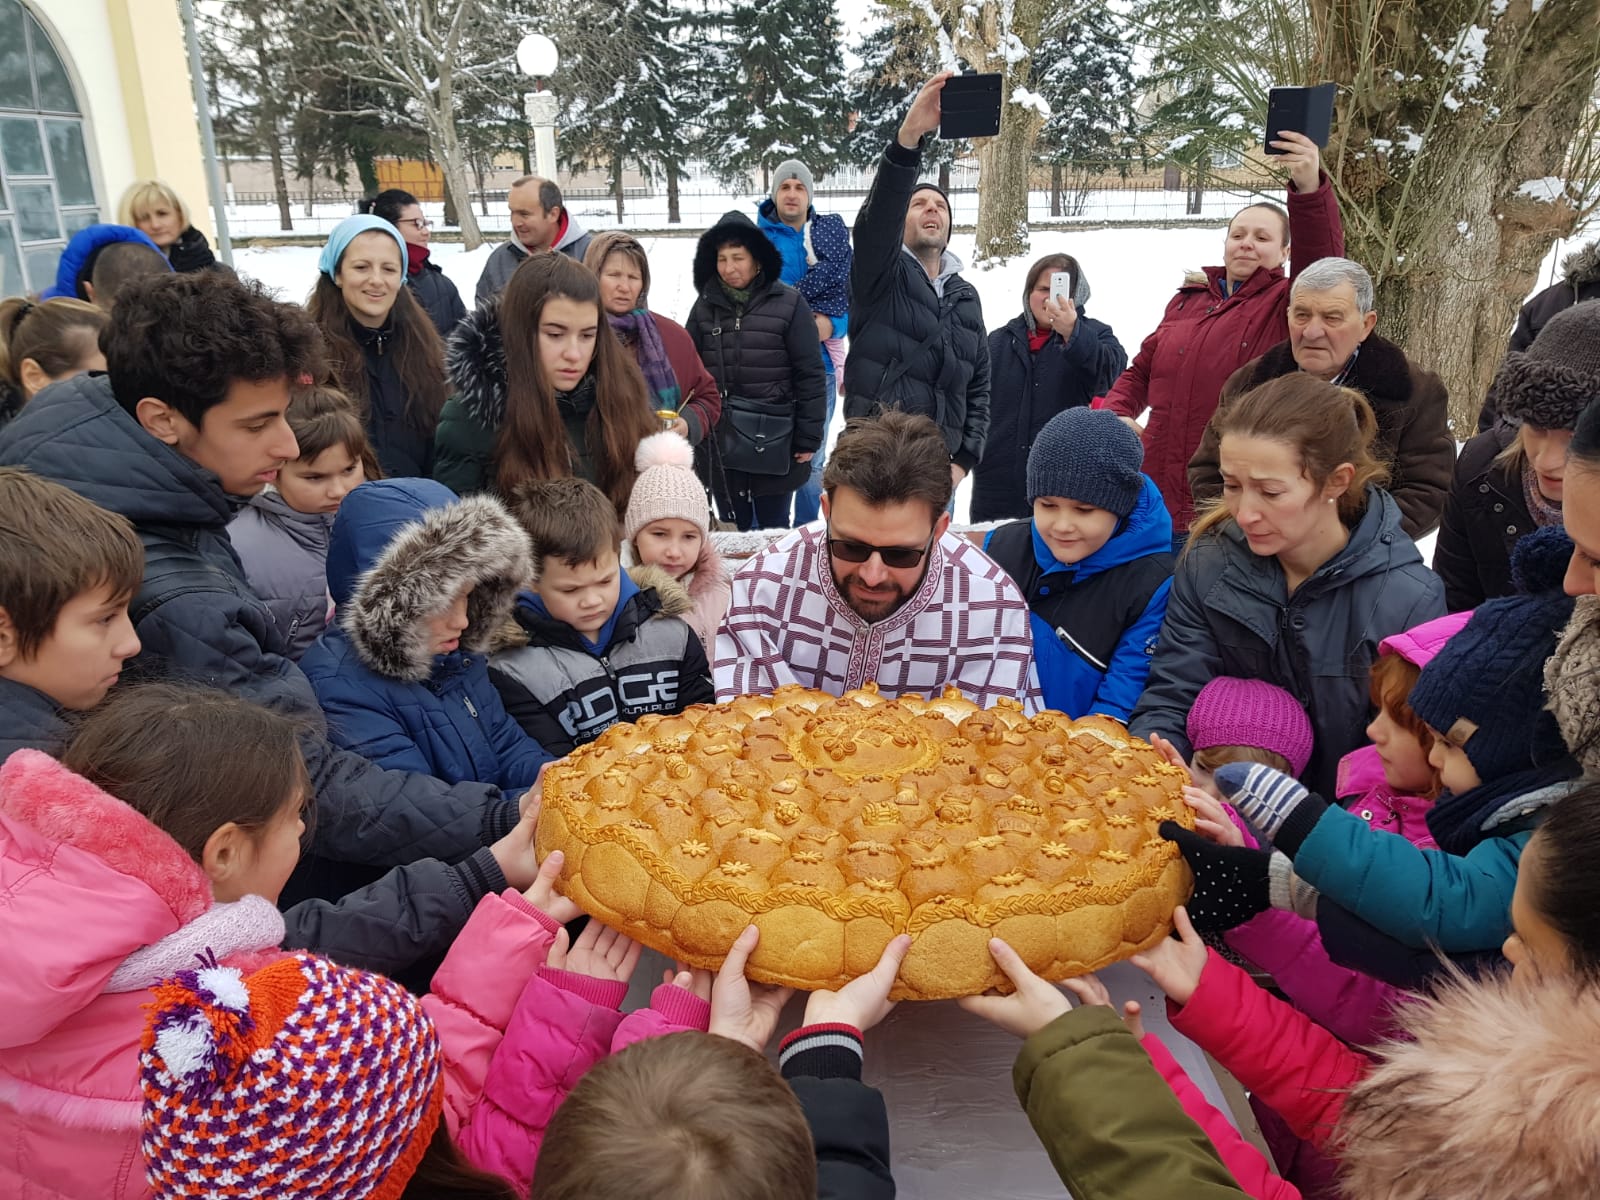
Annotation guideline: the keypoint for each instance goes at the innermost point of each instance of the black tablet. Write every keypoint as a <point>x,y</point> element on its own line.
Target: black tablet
<point>969,107</point>
<point>1307,110</point>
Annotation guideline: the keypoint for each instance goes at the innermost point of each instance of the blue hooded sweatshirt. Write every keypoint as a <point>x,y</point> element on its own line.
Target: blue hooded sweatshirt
<point>401,551</point>
<point>1075,674</point>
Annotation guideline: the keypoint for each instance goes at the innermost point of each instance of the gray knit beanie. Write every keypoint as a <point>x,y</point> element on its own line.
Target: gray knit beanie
<point>1551,382</point>
<point>1088,455</point>
<point>793,168</point>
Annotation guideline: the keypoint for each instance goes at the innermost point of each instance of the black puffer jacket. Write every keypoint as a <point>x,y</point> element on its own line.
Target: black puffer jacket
<point>198,620</point>
<point>1026,390</point>
<point>1484,516</point>
<point>895,311</point>
<point>1580,280</point>
<point>403,451</point>
<point>766,349</point>
<point>438,297</point>
<point>1230,614</point>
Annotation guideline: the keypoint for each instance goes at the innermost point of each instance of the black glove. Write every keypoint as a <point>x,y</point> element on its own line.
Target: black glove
<point>1230,882</point>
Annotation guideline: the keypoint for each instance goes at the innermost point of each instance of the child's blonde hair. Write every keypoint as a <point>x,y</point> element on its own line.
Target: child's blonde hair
<point>690,1116</point>
<point>144,194</point>
<point>1213,757</point>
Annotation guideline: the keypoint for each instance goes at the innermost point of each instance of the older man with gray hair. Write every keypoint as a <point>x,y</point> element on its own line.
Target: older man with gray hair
<point>1331,322</point>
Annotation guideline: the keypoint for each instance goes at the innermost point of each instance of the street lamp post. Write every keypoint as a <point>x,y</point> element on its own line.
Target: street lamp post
<point>537,58</point>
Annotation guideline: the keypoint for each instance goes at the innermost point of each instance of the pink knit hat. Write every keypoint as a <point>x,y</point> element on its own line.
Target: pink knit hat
<point>667,486</point>
<point>1251,712</point>
<point>304,1078</point>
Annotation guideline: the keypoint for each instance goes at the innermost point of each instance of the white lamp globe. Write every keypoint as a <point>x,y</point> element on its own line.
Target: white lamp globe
<point>537,56</point>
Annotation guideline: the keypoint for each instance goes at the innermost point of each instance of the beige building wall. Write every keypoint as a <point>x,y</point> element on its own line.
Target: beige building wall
<point>130,68</point>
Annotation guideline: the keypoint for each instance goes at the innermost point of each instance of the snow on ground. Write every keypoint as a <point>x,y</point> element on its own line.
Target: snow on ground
<point>1131,272</point>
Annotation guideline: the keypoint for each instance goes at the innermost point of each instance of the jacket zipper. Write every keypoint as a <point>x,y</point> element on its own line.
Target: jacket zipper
<point>467,700</point>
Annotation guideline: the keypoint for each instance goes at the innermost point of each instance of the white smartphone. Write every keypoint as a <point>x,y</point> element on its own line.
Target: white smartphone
<point>1061,285</point>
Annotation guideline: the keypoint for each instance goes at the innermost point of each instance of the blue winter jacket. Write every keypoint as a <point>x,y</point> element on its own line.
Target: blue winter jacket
<point>402,549</point>
<point>1426,898</point>
<point>77,260</point>
<point>1071,682</point>
<point>825,283</point>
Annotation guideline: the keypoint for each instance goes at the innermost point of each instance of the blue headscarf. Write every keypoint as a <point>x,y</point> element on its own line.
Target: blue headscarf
<point>346,232</point>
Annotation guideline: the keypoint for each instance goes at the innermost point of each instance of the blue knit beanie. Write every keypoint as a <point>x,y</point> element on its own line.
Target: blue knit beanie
<point>1088,455</point>
<point>1485,690</point>
<point>346,231</point>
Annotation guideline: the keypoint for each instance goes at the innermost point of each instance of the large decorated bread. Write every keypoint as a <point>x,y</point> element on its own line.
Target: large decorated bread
<point>835,823</point>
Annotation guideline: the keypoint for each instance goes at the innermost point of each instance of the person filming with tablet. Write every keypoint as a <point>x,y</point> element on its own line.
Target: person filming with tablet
<point>917,338</point>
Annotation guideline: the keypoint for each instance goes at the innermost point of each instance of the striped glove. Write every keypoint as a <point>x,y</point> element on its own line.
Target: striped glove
<point>1275,804</point>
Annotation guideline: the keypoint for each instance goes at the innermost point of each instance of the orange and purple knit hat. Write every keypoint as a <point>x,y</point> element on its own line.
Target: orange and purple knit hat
<point>304,1078</point>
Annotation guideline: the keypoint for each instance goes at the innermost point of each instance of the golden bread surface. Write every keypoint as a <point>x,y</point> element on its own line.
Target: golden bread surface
<point>835,823</point>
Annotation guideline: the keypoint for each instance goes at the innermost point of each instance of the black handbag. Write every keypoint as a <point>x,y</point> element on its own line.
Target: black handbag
<point>756,437</point>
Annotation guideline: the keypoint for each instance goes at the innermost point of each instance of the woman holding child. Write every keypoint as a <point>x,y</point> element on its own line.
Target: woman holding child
<point>382,347</point>
<point>544,389</point>
<point>1297,576</point>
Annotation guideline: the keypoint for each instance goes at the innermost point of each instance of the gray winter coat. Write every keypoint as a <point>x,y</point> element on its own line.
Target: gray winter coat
<point>285,557</point>
<point>1230,614</point>
<point>198,620</point>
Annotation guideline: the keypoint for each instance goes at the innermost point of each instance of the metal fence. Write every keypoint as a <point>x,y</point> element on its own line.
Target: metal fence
<point>1090,194</point>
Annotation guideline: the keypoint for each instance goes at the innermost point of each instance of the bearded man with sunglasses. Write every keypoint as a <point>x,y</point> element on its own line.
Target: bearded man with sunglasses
<point>879,589</point>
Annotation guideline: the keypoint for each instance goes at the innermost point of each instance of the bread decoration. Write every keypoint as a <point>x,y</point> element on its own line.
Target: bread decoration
<point>835,823</point>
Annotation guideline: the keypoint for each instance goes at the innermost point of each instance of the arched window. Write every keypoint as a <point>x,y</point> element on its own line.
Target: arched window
<point>46,189</point>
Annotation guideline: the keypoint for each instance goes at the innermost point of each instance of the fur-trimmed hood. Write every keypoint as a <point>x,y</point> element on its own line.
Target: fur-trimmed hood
<point>475,361</point>
<point>1582,267</point>
<point>735,227</point>
<point>1493,1097</point>
<point>672,600</point>
<point>402,549</point>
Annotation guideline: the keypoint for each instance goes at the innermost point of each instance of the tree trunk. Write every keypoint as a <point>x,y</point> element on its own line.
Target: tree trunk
<point>447,153</point>
<point>674,217</point>
<point>1441,177</point>
<point>280,181</point>
<point>367,171</point>
<point>616,183</point>
<point>1195,194</point>
<point>944,178</point>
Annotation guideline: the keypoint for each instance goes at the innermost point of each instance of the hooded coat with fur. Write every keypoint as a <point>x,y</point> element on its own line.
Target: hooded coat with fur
<point>99,906</point>
<point>763,349</point>
<point>402,550</point>
<point>566,690</point>
<point>1580,280</point>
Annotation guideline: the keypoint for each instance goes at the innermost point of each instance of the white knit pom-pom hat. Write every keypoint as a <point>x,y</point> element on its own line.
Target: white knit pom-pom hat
<point>667,486</point>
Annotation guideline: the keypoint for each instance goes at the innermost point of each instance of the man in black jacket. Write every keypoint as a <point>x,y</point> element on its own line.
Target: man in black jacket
<point>917,339</point>
<point>187,419</point>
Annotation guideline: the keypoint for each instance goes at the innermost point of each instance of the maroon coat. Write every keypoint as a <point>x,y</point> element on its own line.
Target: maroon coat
<point>1203,338</point>
<point>701,403</point>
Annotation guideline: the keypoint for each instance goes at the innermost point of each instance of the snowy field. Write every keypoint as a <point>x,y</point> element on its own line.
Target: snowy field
<point>1132,274</point>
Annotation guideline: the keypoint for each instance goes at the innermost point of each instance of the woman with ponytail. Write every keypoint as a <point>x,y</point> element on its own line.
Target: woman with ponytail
<point>44,343</point>
<point>544,389</point>
<point>1296,575</point>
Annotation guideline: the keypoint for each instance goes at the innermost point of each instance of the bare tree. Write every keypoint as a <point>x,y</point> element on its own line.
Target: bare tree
<point>419,48</point>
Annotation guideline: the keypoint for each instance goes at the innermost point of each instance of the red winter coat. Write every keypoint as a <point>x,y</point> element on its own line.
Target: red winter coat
<point>1203,338</point>
<point>1279,1054</point>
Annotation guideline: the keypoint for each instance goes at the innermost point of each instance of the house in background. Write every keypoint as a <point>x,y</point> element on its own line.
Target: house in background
<point>94,94</point>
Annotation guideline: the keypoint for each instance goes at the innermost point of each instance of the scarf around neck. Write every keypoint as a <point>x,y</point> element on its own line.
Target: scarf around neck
<point>416,259</point>
<point>638,331</point>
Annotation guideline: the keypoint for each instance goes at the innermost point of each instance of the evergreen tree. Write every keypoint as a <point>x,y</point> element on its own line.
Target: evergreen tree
<point>1083,69</point>
<point>897,57</point>
<point>623,94</point>
<point>779,91</point>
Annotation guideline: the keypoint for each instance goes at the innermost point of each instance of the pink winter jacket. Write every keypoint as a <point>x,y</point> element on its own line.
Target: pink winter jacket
<point>1281,1055</point>
<point>563,1024</point>
<point>98,904</point>
<point>1244,1162</point>
<point>1354,1006</point>
<point>711,588</point>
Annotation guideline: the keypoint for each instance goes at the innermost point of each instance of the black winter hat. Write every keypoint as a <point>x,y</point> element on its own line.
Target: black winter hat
<point>1485,690</point>
<point>930,186</point>
<point>1551,382</point>
<point>1090,456</point>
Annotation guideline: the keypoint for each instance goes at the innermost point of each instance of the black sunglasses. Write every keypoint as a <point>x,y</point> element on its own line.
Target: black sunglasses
<point>893,556</point>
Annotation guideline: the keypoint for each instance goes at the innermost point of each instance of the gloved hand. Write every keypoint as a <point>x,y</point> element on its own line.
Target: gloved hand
<point>1278,806</point>
<point>1231,883</point>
